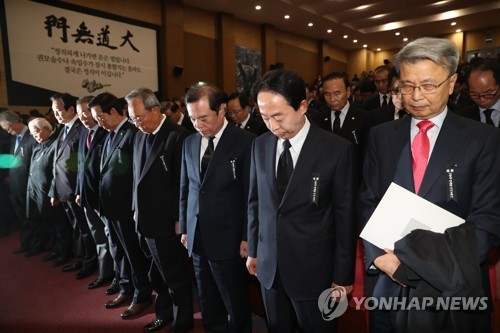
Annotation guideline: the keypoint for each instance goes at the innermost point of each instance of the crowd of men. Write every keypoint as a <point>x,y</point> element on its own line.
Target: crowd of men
<point>278,188</point>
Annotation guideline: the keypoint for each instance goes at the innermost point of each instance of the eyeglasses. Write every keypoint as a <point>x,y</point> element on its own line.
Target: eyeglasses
<point>379,82</point>
<point>485,96</point>
<point>140,119</point>
<point>234,112</point>
<point>425,88</point>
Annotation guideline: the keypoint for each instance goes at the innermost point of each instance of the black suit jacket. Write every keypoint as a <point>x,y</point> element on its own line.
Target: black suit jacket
<point>373,102</point>
<point>157,180</point>
<point>87,183</point>
<point>218,205</point>
<point>468,147</point>
<point>383,115</point>
<point>18,173</point>
<point>310,234</point>
<point>41,174</point>
<point>256,126</point>
<point>116,182</point>
<point>470,111</point>
<point>355,128</point>
<point>188,124</point>
<point>66,164</point>
<point>463,101</point>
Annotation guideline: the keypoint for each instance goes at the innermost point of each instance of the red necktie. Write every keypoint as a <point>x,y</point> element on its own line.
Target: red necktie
<point>89,138</point>
<point>420,152</point>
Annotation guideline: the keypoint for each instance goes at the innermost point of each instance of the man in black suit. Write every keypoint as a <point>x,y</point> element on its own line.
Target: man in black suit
<point>87,189</point>
<point>382,97</point>
<point>484,87</point>
<point>40,213</point>
<point>341,117</point>
<point>435,154</point>
<point>459,99</point>
<point>214,193</point>
<point>115,208</point>
<point>21,149</point>
<point>301,225</point>
<point>238,111</point>
<point>175,113</point>
<point>393,111</point>
<point>63,188</point>
<point>7,219</point>
<point>157,165</point>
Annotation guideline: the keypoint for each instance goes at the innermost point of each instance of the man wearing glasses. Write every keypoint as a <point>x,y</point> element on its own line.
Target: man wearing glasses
<point>484,86</point>
<point>447,160</point>
<point>238,111</point>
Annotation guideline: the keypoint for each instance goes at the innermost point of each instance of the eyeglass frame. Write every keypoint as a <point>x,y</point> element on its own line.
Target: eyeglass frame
<point>140,119</point>
<point>479,96</point>
<point>436,86</point>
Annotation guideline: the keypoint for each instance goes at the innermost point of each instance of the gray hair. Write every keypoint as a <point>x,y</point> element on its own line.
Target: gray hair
<point>147,96</point>
<point>441,51</point>
<point>10,117</point>
<point>40,123</point>
<point>84,100</point>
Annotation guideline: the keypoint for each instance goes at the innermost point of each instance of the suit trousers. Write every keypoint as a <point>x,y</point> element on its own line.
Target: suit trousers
<point>223,290</point>
<point>84,243</point>
<point>124,229</point>
<point>99,232</point>
<point>123,270</point>
<point>283,313</point>
<point>19,205</point>
<point>171,260</point>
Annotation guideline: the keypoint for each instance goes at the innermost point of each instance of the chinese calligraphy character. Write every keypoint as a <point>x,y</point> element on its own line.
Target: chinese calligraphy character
<point>104,38</point>
<point>83,35</point>
<point>126,39</point>
<point>59,23</point>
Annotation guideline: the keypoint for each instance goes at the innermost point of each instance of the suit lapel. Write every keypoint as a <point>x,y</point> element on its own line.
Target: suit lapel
<point>72,132</point>
<point>222,149</point>
<point>447,143</point>
<point>270,163</point>
<point>156,148</point>
<point>307,158</point>
<point>401,155</point>
<point>195,155</point>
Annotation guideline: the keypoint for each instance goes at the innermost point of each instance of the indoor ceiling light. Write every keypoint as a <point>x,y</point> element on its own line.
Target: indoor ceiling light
<point>310,24</point>
<point>287,17</point>
<point>345,36</point>
<point>258,7</point>
<point>329,31</point>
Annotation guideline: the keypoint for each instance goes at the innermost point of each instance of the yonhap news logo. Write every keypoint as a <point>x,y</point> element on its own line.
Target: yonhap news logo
<point>332,303</point>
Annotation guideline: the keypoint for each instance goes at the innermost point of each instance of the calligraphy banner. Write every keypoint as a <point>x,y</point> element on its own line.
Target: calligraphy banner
<point>54,47</point>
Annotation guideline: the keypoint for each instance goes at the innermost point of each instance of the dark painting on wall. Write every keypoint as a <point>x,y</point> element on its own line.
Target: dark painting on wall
<point>248,68</point>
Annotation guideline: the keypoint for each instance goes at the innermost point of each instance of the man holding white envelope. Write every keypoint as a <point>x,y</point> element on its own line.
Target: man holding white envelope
<point>451,162</point>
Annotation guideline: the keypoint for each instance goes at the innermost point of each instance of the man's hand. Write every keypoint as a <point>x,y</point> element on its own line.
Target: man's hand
<point>252,265</point>
<point>176,227</point>
<point>243,249</point>
<point>54,202</point>
<point>387,263</point>
<point>78,200</point>
<point>184,240</point>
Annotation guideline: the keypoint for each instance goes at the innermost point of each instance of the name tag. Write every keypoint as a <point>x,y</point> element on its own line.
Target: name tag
<point>451,190</point>
<point>315,188</point>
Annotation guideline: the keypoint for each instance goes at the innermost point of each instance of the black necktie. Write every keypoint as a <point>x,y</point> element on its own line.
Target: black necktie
<point>401,113</point>
<point>336,122</point>
<point>487,114</point>
<point>205,160</point>
<point>149,143</point>
<point>66,130</point>
<point>384,103</point>
<point>285,169</point>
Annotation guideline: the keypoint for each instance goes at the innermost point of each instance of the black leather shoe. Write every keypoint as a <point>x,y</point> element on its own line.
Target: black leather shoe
<point>19,250</point>
<point>97,283</point>
<point>31,253</point>
<point>121,299</point>
<point>60,261</point>
<point>114,287</point>
<point>50,256</point>
<point>155,325</point>
<point>71,268</point>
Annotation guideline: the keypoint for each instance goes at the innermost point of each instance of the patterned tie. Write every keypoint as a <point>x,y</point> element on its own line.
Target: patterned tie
<point>420,152</point>
<point>207,156</point>
<point>18,143</point>
<point>487,115</point>
<point>336,122</point>
<point>384,103</point>
<point>285,169</point>
<point>89,138</point>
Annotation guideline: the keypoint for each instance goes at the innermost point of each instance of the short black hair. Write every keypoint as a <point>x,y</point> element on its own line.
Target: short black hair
<point>66,99</point>
<point>337,75</point>
<point>107,101</point>
<point>242,98</point>
<point>215,96</point>
<point>283,82</point>
<point>486,65</point>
